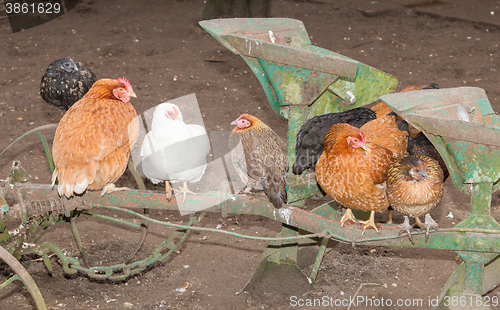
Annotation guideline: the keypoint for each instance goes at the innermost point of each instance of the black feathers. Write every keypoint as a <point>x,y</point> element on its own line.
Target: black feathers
<point>311,136</point>
<point>65,82</point>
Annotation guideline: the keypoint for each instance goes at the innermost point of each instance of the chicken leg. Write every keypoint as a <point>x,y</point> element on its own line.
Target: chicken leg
<point>369,223</point>
<point>428,224</point>
<point>108,189</point>
<point>406,228</point>
<point>389,216</point>
<point>184,190</point>
<point>168,190</point>
<point>347,216</point>
<point>417,224</point>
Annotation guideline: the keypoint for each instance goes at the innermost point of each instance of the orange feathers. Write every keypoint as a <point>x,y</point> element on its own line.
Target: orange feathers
<point>94,138</point>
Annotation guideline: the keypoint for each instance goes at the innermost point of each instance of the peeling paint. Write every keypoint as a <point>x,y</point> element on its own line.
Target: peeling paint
<point>272,37</point>
<point>462,114</point>
<point>351,96</point>
<point>285,214</point>
<point>292,92</point>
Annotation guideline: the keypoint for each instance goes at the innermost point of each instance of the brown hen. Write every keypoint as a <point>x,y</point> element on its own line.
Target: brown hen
<point>385,132</point>
<point>417,142</point>
<point>414,188</point>
<point>94,139</point>
<point>260,158</point>
<point>352,169</point>
<point>382,109</point>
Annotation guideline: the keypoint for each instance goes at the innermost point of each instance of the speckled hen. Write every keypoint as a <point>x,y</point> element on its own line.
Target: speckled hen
<point>65,82</point>
<point>259,156</point>
<point>414,188</point>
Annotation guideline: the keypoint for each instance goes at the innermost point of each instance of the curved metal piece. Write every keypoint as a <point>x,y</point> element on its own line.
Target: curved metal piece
<point>25,278</point>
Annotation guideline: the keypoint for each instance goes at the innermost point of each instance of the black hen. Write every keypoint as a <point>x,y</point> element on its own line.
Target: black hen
<point>65,82</point>
<point>311,136</point>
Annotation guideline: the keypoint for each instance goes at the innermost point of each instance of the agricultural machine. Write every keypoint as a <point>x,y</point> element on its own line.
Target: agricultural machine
<point>300,81</point>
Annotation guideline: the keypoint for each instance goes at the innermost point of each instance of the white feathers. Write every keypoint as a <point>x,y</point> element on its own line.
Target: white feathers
<point>173,150</point>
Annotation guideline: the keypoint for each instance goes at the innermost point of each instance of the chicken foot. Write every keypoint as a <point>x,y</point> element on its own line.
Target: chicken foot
<point>428,224</point>
<point>369,223</point>
<point>347,216</point>
<point>184,190</point>
<point>108,189</point>
<point>168,190</point>
<point>406,228</point>
<point>247,190</point>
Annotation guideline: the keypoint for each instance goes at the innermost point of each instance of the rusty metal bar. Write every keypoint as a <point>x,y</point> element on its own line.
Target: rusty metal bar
<point>25,278</point>
<point>457,239</point>
<point>291,56</point>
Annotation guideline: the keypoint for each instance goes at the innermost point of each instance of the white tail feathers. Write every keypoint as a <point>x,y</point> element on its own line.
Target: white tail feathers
<point>81,186</point>
<point>76,183</point>
<point>54,177</point>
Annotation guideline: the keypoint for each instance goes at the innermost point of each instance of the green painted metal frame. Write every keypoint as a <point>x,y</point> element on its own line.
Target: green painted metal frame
<point>463,239</point>
<point>22,275</point>
<point>462,125</point>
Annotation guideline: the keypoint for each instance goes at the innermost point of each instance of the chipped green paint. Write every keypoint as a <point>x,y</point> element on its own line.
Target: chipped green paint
<point>255,66</point>
<point>343,88</point>
<point>478,163</point>
<point>294,30</point>
<point>296,86</point>
<point>292,93</point>
<point>371,84</point>
<point>294,72</point>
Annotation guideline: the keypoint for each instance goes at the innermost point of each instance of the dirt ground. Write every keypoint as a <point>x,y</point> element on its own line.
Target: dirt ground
<point>160,49</point>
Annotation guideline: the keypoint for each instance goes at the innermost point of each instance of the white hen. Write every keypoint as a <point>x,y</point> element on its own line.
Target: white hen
<point>173,150</point>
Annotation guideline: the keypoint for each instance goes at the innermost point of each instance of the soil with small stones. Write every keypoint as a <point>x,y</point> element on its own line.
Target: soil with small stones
<point>158,46</point>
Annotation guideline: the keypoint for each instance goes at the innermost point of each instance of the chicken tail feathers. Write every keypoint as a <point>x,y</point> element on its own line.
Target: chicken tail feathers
<point>275,189</point>
<point>54,177</point>
<point>71,181</point>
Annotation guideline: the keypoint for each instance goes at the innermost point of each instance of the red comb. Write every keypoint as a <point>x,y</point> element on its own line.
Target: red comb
<point>362,137</point>
<point>124,81</point>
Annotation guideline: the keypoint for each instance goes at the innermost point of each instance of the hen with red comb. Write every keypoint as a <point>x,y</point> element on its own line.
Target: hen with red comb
<point>94,139</point>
